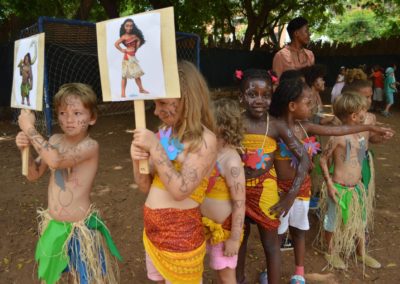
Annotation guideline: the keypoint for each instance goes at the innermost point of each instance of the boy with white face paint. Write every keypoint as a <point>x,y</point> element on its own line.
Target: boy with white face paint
<point>348,211</point>
<point>71,229</point>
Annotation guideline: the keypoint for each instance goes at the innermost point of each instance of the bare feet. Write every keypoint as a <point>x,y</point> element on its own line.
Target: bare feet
<point>143,91</point>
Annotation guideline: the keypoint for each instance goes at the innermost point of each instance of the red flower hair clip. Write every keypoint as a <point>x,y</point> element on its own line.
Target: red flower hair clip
<point>274,78</point>
<point>239,74</point>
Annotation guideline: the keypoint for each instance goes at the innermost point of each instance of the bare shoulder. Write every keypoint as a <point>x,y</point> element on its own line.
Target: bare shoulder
<point>89,144</point>
<point>276,126</point>
<point>370,119</point>
<point>56,139</point>
<point>232,158</point>
<point>209,140</point>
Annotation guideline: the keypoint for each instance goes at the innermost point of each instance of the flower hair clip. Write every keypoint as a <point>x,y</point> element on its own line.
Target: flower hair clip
<point>274,78</point>
<point>239,74</point>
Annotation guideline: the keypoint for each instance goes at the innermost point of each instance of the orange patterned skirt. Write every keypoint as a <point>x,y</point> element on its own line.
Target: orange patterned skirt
<point>304,191</point>
<point>175,241</point>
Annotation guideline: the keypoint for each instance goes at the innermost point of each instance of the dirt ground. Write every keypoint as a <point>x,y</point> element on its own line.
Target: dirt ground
<point>121,207</point>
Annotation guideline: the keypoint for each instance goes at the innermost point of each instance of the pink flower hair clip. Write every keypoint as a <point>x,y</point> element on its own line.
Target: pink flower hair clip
<point>273,77</point>
<point>239,74</point>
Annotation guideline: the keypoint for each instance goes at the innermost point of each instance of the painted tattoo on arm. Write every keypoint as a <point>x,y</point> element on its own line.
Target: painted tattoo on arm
<point>301,154</point>
<point>236,182</point>
<point>325,156</point>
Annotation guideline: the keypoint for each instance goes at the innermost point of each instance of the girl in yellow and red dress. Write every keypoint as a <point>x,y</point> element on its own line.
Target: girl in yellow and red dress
<point>132,38</point>
<point>263,206</point>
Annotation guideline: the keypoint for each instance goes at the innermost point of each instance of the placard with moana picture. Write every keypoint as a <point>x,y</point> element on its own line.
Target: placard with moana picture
<point>137,57</point>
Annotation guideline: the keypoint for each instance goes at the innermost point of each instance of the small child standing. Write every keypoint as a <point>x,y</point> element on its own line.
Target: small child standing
<point>292,103</point>
<point>223,208</point>
<point>347,214</point>
<point>71,229</point>
<point>390,90</point>
<point>337,88</point>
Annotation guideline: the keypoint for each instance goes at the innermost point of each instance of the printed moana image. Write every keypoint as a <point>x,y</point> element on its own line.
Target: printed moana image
<point>132,39</point>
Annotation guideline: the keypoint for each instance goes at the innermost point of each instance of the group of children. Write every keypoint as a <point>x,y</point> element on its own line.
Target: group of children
<point>214,171</point>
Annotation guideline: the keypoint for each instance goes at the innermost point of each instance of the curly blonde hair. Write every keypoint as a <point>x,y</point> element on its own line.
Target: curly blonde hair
<point>354,74</point>
<point>228,121</point>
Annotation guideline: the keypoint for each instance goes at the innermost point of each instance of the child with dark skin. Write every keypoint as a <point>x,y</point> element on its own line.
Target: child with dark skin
<point>263,205</point>
<point>292,103</point>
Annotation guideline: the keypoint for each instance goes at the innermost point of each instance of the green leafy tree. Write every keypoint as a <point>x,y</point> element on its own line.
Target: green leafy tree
<point>355,27</point>
<point>256,20</point>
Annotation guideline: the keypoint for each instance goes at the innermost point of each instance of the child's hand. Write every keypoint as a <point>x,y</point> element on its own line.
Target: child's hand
<point>231,247</point>
<point>22,140</point>
<point>144,139</point>
<point>138,154</point>
<point>26,120</point>
<point>388,134</point>
<point>383,131</point>
<point>283,206</point>
<point>332,192</point>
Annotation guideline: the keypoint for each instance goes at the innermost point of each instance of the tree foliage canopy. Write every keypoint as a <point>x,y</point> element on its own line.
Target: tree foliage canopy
<point>240,23</point>
<point>363,21</point>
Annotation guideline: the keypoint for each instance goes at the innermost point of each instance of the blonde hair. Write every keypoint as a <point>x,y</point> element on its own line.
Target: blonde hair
<point>195,99</point>
<point>354,74</point>
<point>83,91</point>
<point>228,119</point>
<point>349,103</point>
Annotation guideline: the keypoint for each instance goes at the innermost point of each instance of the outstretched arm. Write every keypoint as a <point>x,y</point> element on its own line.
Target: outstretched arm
<point>234,176</point>
<point>195,166</point>
<point>49,153</point>
<point>295,146</point>
<point>312,128</point>
<point>325,156</point>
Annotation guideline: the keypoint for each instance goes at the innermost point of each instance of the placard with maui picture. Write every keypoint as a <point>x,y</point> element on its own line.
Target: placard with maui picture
<point>27,87</point>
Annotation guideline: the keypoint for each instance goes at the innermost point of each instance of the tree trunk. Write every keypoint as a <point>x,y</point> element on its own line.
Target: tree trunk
<point>84,10</point>
<point>111,7</point>
<point>158,4</point>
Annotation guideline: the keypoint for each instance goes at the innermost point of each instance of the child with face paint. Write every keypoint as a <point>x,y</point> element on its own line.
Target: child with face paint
<point>181,158</point>
<point>263,205</point>
<point>223,209</point>
<point>71,230</point>
<point>346,211</point>
<point>292,102</point>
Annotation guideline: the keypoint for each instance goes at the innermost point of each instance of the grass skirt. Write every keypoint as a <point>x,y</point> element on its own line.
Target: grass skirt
<point>78,248</point>
<point>352,216</point>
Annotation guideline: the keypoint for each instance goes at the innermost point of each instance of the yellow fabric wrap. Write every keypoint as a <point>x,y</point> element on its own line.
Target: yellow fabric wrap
<point>214,231</point>
<point>197,195</point>
<point>255,141</point>
<point>220,190</point>
<point>177,267</point>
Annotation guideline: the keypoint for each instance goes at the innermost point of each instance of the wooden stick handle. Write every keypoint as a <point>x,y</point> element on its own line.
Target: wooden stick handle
<point>25,161</point>
<point>140,121</point>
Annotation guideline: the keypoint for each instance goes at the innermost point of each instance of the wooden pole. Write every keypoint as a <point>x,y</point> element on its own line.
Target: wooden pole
<point>25,161</point>
<point>140,122</point>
